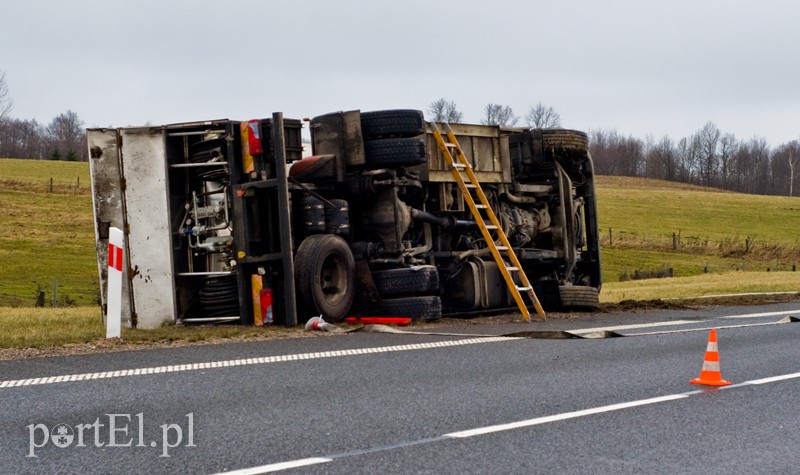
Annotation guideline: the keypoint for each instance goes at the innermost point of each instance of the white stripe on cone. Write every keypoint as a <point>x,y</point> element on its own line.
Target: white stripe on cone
<point>116,262</point>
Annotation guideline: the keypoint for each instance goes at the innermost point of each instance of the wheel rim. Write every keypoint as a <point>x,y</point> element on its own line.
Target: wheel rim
<point>333,279</point>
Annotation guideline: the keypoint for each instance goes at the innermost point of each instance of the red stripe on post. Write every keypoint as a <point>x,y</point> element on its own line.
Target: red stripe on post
<point>118,260</point>
<point>111,254</point>
<point>115,257</point>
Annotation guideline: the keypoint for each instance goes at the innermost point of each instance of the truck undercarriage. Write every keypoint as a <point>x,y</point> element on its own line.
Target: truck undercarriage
<point>229,222</point>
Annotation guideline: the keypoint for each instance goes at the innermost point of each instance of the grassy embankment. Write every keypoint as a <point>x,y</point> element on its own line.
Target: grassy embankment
<point>47,239</point>
<point>715,242</point>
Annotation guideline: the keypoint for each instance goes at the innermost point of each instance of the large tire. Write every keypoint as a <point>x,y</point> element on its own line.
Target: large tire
<point>407,281</point>
<point>426,308</point>
<point>579,297</point>
<point>392,123</point>
<point>565,140</point>
<point>395,152</point>
<point>324,273</point>
<point>220,296</point>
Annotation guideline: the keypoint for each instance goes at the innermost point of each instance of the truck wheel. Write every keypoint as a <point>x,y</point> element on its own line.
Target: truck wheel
<point>579,297</point>
<point>565,139</point>
<point>392,123</point>
<point>426,308</point>
<point>407,280</point>
<point>324,271</point>
<point>395,152</point>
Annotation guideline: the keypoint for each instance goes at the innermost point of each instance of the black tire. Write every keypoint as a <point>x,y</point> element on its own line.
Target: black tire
<point>426,308</point>
<point>208,150</point>
<point>395,152</point>
<point>324,273</point>
<point>565,139</point>
<point>392,123</point>
<point>406,281</point>
<point>579,297</point>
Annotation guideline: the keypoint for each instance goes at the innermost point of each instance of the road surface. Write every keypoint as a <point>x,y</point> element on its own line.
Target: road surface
<point>386,403</point>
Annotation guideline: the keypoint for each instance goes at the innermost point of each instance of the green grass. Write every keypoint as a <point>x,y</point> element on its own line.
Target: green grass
<point>46,239</point>
<point>712,226</point>
<point>642,209</point>
<point>48,327</point>
<point>41,171</point>
<point>701,285</point>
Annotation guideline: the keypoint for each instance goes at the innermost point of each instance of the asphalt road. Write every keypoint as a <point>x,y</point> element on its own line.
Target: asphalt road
<point>382,403</point>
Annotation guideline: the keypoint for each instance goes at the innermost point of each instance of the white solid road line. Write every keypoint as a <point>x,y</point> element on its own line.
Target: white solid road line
<point>510,426</point>
<point>277,467</point>
<point>633,326</point>
<point>681,322</point>
<point>765,314</point>
<point>564,416</point>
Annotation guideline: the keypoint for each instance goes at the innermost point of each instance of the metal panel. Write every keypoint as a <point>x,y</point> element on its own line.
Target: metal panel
<point>108,207</point>
<point>144,167</point>
<point>483,148</point>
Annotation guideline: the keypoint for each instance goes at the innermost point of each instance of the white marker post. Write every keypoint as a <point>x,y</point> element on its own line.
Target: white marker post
<point>116,243</point>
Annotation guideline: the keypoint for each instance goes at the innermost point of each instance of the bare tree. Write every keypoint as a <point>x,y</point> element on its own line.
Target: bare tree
<point>442,110</point>
<point>614,154</point>
<point>5,100</point>
<point>22,139</point>
<point>688,157</point>
<point>542,117</point>
<point>727,147</point>
<point>794,160</point>
<point>495,114</point>
<point>661,160</point>
<point>785,160</point>
<point>67,136</point>
<point>708,140</point>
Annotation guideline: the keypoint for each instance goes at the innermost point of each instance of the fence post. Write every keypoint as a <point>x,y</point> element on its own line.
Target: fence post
<point>674,242</point>
<point>51,184</point>
<point>610,237</point>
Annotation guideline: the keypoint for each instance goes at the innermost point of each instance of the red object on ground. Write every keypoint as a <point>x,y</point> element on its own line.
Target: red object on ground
<point>399,321</point>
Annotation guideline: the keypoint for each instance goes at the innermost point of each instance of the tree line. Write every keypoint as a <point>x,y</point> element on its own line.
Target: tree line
<point>64,138</point>
<point>709,157</point>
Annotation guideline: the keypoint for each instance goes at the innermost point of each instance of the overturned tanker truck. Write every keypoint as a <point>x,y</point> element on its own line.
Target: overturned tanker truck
<point>390,215</point>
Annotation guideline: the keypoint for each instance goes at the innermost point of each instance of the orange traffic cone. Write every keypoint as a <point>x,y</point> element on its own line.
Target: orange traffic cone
<point>711,375</point>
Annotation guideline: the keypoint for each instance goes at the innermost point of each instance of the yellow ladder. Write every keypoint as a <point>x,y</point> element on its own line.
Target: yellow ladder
<point>470,191</point>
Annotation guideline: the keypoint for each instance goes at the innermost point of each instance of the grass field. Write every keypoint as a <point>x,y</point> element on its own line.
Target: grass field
<point>41,171</point>
<point>638,218</point>
<point>47,241</point>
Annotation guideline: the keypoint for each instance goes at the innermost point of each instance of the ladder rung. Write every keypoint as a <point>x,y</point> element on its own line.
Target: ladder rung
<point>470,185</point>
<point>450,145</point>
<point>502,248</point>
<point>512,269</point>
<point>525,289</point>
<point>491,226</point>
<point>458,165</point>
<point>480,206</point>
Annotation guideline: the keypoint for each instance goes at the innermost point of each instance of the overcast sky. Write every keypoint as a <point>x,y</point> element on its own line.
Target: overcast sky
<point>640,67</point>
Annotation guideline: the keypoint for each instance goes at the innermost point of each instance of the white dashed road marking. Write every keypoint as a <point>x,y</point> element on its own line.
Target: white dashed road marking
<point>245,362</point>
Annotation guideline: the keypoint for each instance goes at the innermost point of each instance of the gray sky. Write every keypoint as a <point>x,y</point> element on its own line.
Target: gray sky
<point>640,67</point>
